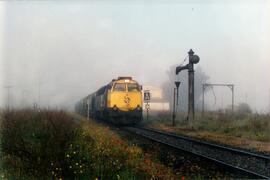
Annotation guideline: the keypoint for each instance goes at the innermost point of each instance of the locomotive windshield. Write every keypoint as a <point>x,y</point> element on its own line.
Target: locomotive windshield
<point>133,87</point>
<point>119,87</point>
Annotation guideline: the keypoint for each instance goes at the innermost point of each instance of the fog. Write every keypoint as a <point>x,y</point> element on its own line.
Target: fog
<point>54,53</point>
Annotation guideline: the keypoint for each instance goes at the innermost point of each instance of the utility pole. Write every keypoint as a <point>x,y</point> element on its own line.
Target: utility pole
<point>39,94</point>
<point>232,88</point>
<point>88,109</point>
<point>269,102</point>
<point>8,99</point>
<point>203,89</point>
<point>193,59</point>
<point>39,83</point>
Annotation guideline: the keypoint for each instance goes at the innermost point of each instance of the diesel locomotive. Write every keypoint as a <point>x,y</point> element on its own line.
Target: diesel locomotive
<point>119,102</point>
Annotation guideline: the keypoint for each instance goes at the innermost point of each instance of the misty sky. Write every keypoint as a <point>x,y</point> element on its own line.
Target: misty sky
<point>69,49</point>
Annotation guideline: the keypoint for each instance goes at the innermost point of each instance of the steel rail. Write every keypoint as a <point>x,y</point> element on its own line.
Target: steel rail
<point>239,151</point>
<point>255,174</point>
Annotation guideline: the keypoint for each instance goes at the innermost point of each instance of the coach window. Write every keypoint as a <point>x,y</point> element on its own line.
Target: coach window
<point>119,87</point>
<point>133,87</point>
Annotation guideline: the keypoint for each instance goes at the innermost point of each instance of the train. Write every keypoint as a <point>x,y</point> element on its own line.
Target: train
<point>119,102</point>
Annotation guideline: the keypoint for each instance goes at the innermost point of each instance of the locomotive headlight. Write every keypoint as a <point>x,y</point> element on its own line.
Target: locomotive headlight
<point>115,108</point>
<point>139,108</point>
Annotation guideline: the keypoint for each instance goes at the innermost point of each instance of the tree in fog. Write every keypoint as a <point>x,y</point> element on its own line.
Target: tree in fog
<point>243,108</point>
<point>199,79</point>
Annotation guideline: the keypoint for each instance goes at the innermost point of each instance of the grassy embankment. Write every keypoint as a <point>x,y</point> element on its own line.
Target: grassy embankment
<point>244,130</point>
<point>51,144</point>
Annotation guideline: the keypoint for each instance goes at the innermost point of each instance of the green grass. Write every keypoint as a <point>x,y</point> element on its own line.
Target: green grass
<point>249,126</point>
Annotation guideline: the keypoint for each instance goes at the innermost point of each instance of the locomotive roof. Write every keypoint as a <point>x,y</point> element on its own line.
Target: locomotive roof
<point>125,81</point>
<point>124,77</point>
<point>121,79</point>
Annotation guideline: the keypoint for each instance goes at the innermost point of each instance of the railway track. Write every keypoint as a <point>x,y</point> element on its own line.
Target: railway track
<point>253,164</point>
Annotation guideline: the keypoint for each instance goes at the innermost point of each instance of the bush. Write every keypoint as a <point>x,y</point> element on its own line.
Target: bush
<point>34,140</point>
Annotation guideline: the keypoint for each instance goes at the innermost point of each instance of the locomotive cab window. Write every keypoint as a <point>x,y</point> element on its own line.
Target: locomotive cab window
<point>119,87</point>
<point>133,87</point>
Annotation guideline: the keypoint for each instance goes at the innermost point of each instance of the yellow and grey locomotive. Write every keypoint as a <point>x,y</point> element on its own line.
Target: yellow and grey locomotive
<point>120,102</point>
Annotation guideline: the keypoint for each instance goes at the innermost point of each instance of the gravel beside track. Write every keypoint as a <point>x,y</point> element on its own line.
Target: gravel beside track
<point>257,165</point>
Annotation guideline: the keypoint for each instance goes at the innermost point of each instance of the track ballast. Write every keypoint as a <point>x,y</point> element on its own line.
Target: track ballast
<point>253,164</point>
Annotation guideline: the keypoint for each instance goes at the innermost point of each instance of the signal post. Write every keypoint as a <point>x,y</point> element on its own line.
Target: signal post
<point>147,98</point>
